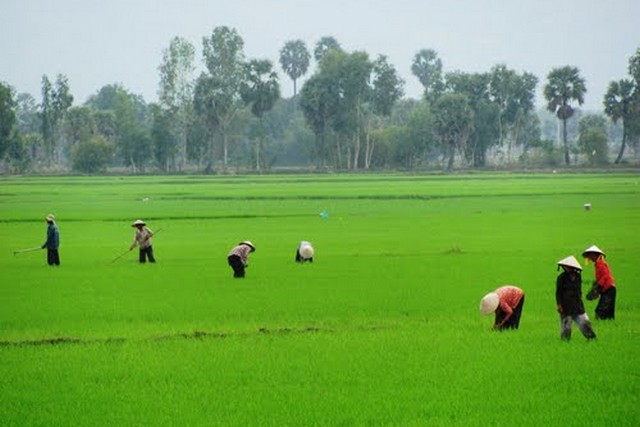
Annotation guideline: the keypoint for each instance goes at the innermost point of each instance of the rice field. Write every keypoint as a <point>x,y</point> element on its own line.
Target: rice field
<point>383,329</point>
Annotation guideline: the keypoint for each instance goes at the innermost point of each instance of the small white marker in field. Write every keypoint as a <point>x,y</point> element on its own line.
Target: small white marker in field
<point>587,206</point>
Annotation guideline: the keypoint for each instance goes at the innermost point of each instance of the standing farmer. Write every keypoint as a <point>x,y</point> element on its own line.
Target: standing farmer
<point>238,258</point>
<point>569,299</point>
<point>604,286</point>
<point>142,238</point>
<point>53,241</point>
<point>506,302</point>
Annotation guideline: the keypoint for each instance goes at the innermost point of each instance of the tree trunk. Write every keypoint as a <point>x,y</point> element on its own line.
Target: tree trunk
<point>225,149</point>
<point>624,143</point>
<point>567,160</point>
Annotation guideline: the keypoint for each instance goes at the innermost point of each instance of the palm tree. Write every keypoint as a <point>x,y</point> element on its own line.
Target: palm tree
<point>619,104</point>
<point>294,59</point>
<point>563,86</point>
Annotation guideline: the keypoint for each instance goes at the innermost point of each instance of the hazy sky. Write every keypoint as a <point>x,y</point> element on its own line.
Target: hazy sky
<point>95,43</point>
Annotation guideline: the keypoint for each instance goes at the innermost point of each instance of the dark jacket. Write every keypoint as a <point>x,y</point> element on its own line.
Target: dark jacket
<point>569,293</point>
<point>53,237</point>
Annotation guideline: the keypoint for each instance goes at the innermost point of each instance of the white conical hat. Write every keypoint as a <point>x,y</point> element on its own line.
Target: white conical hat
<point>50,217</point>
<point>248,243</point>
<point>138,222</point>
<point>593,249</point>
<point>489,303</point>
<point>570,261</point>
<point>306,251</point>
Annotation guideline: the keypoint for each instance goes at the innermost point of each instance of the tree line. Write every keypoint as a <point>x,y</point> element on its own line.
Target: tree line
<point>350,114</point>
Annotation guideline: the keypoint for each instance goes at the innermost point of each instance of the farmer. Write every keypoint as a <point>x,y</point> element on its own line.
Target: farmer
<point>238,258</point>
<point>304,252</point>
<point>604,286</point>
<point>506,302</point>
<point>53,241</point>
<point>569,299</point>
<point>142,238</point>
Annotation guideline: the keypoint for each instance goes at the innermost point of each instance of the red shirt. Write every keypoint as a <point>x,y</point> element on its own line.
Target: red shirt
<point>510,297</point>
<point>603,274</point>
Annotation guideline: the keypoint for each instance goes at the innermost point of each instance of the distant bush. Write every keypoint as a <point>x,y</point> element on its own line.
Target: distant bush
<point>92,156</point>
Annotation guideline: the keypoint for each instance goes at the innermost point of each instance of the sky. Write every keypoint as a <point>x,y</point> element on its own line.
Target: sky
<point>98,42</point>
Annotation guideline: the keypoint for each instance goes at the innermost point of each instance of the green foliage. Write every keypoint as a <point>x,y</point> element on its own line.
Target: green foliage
<point>382,329</point>
<point>92,155</point>
<point>294,60</point>
<point>564,85</point>
<point>593,143</point>
<point>7,117</point>
<point>427,67</point>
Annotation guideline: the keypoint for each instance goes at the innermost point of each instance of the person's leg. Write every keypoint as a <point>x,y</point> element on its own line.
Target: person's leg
<point>606,304</point>
<point>298,257</point>
<point>514,320</point>
<point>238,267</point>
<point>150,254</point>
<point>565,328</point>
<point>50,258</point>
<point>142,256</point>
<point>585,325</point>
<point>56,257</point>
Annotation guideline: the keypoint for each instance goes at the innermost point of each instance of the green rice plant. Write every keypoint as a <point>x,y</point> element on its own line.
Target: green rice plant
<point>382,329</point>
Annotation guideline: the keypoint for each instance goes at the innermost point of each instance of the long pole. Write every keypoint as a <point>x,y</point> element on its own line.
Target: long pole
<point>21,251</point>
<point>128,250</point>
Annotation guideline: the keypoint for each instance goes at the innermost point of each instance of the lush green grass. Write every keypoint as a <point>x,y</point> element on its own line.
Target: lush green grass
<point>383,328</point>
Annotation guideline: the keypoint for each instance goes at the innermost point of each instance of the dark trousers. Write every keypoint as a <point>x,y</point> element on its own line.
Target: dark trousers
<point>238,267</point>
<point>53,257</point>
<point>514,321</point>
<point>146,253</point>
<point>606,308</point>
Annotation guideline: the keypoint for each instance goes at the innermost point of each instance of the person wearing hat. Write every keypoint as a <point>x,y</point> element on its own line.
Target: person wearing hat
<point>142,238</point>
<point>53,241</point>
<point>506,302</point>
<point>304,252</point>
<point>238,258</point>
<point>604,286</point>
<point>569,299</point>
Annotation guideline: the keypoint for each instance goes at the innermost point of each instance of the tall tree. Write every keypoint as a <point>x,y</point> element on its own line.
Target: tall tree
<point>427,67</point>
<point>7,117</point>
<point>56,100</point>
<point>620,104</point>
<point>260,91</point>
<point>387,89</point>
<point>453,124</point>
<point>324,45</point>
<point>176,94</point>
<point>294,59</point>
<point>513,94</point>
<point>592,139</point>
<point>218,94</point>
<point>564,85</point>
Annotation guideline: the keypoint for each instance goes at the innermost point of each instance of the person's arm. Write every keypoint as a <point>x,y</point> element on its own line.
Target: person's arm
<point>49,238</point>
<point>558,295</point>
<point>135,241</point>
<point>508,313</point>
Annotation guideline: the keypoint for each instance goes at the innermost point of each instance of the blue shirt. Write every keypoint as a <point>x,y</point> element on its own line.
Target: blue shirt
<point>53,237</point>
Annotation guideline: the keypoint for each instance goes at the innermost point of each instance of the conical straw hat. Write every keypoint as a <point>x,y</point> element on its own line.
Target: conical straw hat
<point>570,261</point>
<point>593,249</point>
<point>489,303</point>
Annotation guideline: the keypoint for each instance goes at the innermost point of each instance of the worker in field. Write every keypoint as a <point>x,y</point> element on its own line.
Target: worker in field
<point>53,241</point>
<point>604,286</point>
<point>506,302</point>
<point>569,299</point>
<point>238,258</point>
<point>142,239</point>
<point>304,253</point>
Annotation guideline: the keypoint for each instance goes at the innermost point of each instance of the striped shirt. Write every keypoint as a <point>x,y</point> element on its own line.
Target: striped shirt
<point>603,274</point>
<point>142,237</point>
<point>242,251</point>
